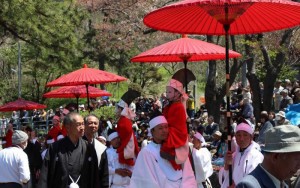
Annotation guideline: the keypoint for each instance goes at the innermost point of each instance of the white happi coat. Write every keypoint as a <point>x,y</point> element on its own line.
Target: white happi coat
<point>100,148</point>
<point>152,171</point>
<point>203,166</point>
<point>115,180</point>
<point>243,163</point>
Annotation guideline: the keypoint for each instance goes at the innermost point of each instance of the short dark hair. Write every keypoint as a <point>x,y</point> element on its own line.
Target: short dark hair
<point>69,118</point>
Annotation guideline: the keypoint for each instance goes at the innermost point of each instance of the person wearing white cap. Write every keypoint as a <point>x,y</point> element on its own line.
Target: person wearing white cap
<point>152,171</point>
<point>202,162</point>
<point>119,174</point>
<point>281,159</point>
<point>280,119</point>
<point>14,162</point>
<point>243,160</point>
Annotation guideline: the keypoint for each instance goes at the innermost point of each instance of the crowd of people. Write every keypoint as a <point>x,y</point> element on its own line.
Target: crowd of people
<point>161,142</point>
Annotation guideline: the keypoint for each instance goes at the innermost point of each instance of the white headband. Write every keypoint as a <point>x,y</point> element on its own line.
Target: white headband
<point>199,137</point>
<point>244,127</point>
<point>112,136</point>
<point>156,121</point>
<point>50,141</point>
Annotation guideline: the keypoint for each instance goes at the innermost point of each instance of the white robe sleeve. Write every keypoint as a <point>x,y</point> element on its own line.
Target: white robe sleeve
<point>145,171</point>
<point>24,168</point>
<point>203,166</point>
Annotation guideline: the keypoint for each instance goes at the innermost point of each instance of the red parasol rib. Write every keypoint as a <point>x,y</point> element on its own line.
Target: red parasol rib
<point>75,92</point>
<point>184,48</point>
<point>85,76</point>
<point>21,104</point>
<point>208,16</point>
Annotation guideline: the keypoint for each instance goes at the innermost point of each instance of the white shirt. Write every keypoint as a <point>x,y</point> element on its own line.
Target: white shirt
<point>14,166</point>
<point>203,166</point>
<point>243,163</point>
<point>100,148</point>
<point>115,180</point>
<point>152,171</point>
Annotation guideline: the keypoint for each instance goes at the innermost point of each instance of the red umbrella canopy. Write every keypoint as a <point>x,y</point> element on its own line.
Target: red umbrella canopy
<point>86,76</point>
<point>21,104</point>
<point>76,92</point>
<point>184,48</point>
<point>208,16</point>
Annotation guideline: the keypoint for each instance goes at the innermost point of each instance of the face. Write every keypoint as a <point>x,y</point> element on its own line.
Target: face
<point>172,94</point>
<point>92,125</point>
<point>243,139</point>
<point>160,133</point>
<point>286,165</point>
<point>76,130</point>
<point>210,120</point>
<point>197,143</point>
<point>55,122</point>
<point>118,111</point>
<point>115,142</point>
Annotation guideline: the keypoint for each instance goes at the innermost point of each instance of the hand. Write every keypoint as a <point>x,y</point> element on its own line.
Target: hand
<point>122,172</point>
<point>228,159</point>
<point>232,186</point>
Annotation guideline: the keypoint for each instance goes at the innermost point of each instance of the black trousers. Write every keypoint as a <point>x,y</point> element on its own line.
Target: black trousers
<point>10,185</point>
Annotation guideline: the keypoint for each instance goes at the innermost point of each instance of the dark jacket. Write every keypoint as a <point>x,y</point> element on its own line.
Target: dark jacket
<point>258,178</point>
<point>54,173</point>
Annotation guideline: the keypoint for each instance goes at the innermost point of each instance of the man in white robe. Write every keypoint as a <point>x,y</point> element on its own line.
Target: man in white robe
<point>152,171</point>
<point>202,161</point>
<point>119,174</point>
<point>244,160</point>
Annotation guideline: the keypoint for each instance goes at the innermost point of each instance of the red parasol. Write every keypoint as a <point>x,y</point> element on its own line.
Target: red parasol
<point>183,50</point>
<point>21,104</point>
<point>86,76</point>
<point>76,92</point>
<point>224,17</point>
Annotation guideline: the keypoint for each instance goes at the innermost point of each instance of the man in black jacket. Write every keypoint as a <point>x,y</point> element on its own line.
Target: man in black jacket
<point>70,160</point>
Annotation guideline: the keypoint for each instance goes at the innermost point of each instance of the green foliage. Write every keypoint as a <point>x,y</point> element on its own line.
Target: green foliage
<point>106,112</point>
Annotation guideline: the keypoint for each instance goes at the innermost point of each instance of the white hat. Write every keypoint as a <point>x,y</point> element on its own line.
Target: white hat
<point>176,85</point>
<point>112,136</point>
<point>157,121</point>
<point>81,106</point>
<point>199,137</point>
<point>18,137</point>
<point>50,141</point>
<point>60,137</point>
<point>102,137</point>
<point>281,113</point>
<point>122,103</point>
<point>218,133</point>
<point>244,127</point>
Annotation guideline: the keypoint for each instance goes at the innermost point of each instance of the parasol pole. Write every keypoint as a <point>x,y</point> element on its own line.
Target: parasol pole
<point>87,96</point>
<point>77,100</point>
<point>185,75</point>
<point>228,112</point>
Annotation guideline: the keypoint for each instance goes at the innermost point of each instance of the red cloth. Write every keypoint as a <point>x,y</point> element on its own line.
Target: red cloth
<point>124,129</point>
<point>176,117</point>
<point>56,130</point>
<point>8,138</point>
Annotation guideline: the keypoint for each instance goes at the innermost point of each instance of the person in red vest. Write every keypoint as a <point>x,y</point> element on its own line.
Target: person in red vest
<point>8,136</point>
<point>57,128</point>
<point>128,149</point>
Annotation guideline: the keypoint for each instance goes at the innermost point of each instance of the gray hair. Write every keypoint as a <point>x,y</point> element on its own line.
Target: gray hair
<point>69,118</point>
<point>87,117</point>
